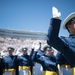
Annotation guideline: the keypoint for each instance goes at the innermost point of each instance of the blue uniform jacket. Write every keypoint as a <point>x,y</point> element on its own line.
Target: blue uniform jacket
<point>61,59</point>
<point>39,53</point>
<point>24,60</point>
<point>66,45</point>
<point>48,63</point>
<point>9,62</point>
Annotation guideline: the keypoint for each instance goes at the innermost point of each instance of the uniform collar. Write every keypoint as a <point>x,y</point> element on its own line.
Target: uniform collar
<point>73,36</point>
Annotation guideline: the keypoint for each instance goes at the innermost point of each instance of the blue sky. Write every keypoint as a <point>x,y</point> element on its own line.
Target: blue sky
<point>33,15</point>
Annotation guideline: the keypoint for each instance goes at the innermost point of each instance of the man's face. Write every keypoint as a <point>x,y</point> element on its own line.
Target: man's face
<point>49,52</point>
<point>11,52</point>
<point>24,51</point>
<point>71,28</point>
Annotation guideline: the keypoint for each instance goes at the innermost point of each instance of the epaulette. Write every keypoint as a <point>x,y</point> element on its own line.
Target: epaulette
<point>64,38</point>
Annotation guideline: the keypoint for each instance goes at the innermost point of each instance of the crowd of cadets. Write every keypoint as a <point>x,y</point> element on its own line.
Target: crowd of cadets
<point>39,62</point>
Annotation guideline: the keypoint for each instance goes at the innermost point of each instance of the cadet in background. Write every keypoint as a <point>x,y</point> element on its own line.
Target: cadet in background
<point>10,63</point>
<point>48,61</point>
<point>24,63</point>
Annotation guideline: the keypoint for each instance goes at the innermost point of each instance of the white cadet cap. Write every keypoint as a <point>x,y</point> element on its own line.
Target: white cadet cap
<point>10,48</point>
<point>68,18</point>
<point>24,48</point>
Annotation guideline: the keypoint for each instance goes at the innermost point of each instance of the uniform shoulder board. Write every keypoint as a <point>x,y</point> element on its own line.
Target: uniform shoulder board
<point>64,38</point>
